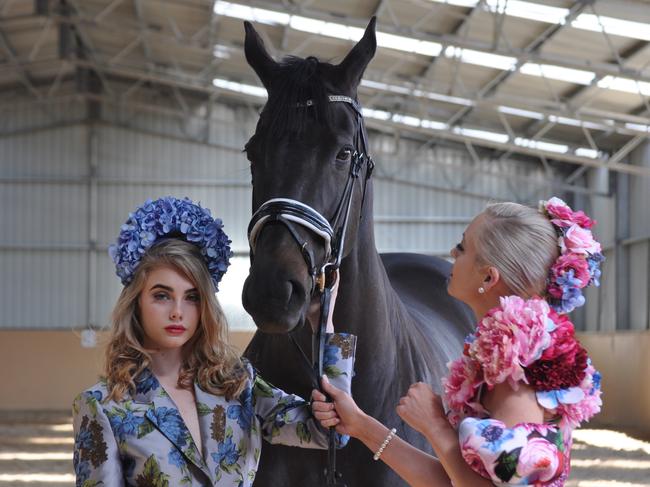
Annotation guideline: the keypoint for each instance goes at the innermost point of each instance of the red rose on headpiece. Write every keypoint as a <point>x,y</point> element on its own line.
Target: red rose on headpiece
<point>563,363</point>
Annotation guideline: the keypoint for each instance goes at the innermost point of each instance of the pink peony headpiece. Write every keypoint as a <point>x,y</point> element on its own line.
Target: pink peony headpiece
<point>580,256</point>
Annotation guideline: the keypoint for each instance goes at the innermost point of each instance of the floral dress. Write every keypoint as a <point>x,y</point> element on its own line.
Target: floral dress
<point>522,341</point>
<point>142,440</point>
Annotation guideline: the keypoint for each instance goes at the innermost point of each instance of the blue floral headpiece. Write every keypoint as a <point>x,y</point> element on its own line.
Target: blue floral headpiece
<point>170,217</point>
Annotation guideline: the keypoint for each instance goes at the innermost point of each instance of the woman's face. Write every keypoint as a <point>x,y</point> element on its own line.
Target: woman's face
<point>465,278</point>
<point>170,309</point>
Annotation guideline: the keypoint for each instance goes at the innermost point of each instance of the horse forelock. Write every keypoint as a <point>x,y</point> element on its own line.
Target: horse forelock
<point>296,81</point>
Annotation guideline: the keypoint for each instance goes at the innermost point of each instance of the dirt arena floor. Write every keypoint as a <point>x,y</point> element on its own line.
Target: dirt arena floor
<point>36,449</point>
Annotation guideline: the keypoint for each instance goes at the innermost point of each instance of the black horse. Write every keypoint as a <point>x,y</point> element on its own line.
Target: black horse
<point>408,327</point>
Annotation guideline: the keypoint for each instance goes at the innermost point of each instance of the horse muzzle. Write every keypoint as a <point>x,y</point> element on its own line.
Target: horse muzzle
<point>277,291</point>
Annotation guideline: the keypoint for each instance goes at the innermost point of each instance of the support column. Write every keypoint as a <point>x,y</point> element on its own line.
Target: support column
<point>622,252</point>
<point>639,242</point>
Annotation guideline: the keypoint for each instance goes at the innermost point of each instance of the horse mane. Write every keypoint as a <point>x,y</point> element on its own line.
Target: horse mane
<point>295,81</point>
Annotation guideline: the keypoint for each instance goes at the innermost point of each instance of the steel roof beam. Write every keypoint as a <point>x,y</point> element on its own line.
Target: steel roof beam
<point>602,68</point>
<point>507,146</point>
<point>533,47</point>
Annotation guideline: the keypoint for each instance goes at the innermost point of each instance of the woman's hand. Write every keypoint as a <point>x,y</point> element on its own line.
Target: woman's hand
<point>313,314</point>
<point>343,412</point>
<point>422,409</point>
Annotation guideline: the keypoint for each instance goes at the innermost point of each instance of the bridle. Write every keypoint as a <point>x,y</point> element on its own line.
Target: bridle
<point>292,213</point>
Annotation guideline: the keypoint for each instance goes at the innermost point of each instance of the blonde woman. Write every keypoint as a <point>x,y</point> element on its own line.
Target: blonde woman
<point>523,382</point>
<point>176,405</point>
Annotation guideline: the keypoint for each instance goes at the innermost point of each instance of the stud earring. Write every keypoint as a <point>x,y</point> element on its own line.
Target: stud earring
<point>481,290</point>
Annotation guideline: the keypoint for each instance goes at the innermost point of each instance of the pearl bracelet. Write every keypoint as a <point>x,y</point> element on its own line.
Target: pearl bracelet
<point>383,446</point>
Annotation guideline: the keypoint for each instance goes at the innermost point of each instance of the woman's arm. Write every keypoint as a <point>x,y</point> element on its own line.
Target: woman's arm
<point>286,418</point>
<point>96,458</point>
<point>511,447</point>
<point>413,465</point>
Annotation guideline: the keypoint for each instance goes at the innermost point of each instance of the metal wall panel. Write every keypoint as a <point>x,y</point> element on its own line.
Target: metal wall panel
<point>54,153</point>
<point>44,219</point>
<point>136,155</point>
<point>44,214</point>
<point>20,113</point>
<point>43,289</point>
<point>424,198</point>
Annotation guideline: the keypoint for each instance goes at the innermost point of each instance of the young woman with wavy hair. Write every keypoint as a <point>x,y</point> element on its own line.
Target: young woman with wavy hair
<point>210,360</point>
<point>176,404</point>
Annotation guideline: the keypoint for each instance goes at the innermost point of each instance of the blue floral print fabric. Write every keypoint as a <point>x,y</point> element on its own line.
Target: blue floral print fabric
<point>143,440</point>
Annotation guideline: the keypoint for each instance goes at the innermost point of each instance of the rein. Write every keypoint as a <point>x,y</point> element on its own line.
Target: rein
<point>290,213</point>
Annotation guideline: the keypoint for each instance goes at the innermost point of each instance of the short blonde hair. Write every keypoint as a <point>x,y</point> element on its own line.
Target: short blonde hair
<point>521,243</point>
<point>211,361</point>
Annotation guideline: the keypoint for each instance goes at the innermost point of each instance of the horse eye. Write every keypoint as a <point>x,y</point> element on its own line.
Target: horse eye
<point>344,155</point>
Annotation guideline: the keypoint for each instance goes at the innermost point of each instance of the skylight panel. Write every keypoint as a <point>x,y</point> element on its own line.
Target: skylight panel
<point>529,11</point>
<point>329,29</point>
<point>434,124</point>
<point>620,27</point>
<point>559,73</point>
<point>458,3</point>
<point>376,114</point>
<point>482,134</point>
<point>404,90</point>
<point>557,15</point>
<point>637,126</point>
<point>427,48</point>
<point>625,84</point>
<point>516,8</point>
<point>480,58</point>
<point>456,100</point>
<point>252,14</point>
<point>586,152</point>
<point>521,113</point>
<point>541,145</point>
<point>222,52</point>
<point>496,61</point>
<point>565,120</point>
<point>240,87</point>
<point>306,24</point>
<point>406,120</point>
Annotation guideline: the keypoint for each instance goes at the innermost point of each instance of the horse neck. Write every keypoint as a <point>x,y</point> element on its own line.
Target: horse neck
<point>367,305</point>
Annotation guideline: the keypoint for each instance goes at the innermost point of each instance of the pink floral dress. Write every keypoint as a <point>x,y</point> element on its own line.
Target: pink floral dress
<point>522,341</point>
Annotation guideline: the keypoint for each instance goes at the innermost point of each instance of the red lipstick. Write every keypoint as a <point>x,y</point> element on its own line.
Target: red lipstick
<point>175,329</point>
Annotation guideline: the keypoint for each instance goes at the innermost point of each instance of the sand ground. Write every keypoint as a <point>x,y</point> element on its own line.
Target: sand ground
<point>36,450</point>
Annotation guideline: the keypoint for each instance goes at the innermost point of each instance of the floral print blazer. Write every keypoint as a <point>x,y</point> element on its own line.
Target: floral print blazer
<point>142,440</point>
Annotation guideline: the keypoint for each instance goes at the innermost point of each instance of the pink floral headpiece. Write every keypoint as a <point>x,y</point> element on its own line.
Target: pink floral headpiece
<point>580,256</point>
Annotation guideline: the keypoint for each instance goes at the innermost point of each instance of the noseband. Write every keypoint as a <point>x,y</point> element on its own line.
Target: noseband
<point>292,213</point>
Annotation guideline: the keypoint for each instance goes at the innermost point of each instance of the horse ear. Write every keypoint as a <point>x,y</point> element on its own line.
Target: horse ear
<point>257,55</point>
<point>352,67</point>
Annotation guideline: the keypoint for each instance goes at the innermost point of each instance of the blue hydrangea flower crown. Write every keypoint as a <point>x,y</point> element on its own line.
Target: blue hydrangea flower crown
<point>170,217</point>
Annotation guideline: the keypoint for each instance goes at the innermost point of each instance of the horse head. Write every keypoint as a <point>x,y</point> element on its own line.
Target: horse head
<point>309,166</point>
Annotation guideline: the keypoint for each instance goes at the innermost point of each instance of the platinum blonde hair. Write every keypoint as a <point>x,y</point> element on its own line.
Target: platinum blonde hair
<point>521,243</point>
